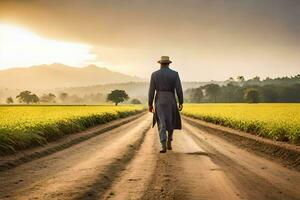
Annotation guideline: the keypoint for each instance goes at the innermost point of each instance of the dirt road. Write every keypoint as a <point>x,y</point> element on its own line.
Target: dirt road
<point>124,163</point>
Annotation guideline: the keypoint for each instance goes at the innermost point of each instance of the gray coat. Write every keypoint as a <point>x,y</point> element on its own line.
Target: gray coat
<point>163,85</point>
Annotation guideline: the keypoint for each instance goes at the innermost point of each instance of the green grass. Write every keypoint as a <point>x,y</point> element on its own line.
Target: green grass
<point>276,121</point>
<point>27,126</point>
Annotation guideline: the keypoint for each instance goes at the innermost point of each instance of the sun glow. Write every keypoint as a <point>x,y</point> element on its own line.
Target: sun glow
<point>20,47</point>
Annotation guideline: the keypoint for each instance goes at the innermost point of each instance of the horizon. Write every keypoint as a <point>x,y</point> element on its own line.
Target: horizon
<point>205,40</point>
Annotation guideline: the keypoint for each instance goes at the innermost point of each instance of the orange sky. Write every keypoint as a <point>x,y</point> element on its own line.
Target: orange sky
<point>206,39</point>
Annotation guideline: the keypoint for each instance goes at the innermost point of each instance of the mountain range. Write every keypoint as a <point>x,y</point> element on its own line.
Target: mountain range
<point>60,76</point>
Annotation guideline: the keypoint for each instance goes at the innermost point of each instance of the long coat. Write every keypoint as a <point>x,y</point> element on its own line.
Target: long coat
<point>163,85</point>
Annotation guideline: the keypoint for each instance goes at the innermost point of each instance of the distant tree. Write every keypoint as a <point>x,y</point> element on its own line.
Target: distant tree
<point>27,97</point>
<point>9,100</point>
<point>251,95</point>
<point>212,90</point>
<point>255,81</point>
<point>240,78</point>
<point>231,79</point>
<point>135,101</point>
<point>290,94</point>
<point>48,98</point>
<point>75,99</point>
<point>231,93</point>
<point>268,79</point>
<point>269,93</point>
<point>117,96</point>
<point>256,78</point>
<point>194,95</point>
<point>34,98</point>
<point>63,96</point>
<point>281,89</point>
<point>94,98</point>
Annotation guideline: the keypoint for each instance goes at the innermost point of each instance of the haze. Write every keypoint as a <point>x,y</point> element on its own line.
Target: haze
<point>206,39</point>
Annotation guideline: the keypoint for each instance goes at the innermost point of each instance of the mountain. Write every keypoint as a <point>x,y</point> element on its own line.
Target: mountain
<point>58,75</point>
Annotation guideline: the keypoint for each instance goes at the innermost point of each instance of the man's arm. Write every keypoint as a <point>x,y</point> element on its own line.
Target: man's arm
<point>179,92</point>
<point>151,93</point>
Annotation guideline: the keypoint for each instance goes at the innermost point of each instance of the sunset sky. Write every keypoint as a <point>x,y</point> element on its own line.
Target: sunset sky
<point>206,39</point>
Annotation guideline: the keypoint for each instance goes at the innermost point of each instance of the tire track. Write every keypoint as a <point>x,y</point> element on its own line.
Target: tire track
<point>135,179</point>
<point>105,179</point>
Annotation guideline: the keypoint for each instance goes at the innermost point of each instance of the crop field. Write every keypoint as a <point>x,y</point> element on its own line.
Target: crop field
<point>26,126</point>
<point>276,121</point>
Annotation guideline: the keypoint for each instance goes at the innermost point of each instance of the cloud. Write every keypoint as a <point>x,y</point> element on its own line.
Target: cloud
<point>211,37</point>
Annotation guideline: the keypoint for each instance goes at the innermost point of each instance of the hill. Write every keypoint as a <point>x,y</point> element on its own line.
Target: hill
<point>58,75</point>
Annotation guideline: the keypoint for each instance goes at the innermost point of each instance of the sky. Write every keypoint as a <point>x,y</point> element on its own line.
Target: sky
<point>205,39</point>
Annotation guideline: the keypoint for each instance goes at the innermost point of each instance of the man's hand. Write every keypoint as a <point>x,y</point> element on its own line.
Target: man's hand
<point>180,107</point>
<point>150,109</point>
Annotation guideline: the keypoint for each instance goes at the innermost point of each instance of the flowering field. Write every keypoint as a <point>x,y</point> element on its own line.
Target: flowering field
<point>280,121</point>
<point>26,126</point>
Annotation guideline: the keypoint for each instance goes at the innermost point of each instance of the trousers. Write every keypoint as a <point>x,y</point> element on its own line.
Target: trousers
<point>163,136</point>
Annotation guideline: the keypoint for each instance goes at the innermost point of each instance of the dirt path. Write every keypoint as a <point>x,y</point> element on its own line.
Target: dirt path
<point>203,166</point>
<point>124,164</point>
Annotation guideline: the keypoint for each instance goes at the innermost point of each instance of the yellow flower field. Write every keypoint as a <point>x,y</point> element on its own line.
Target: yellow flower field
<point>280,121</point>
<point>26,126</point>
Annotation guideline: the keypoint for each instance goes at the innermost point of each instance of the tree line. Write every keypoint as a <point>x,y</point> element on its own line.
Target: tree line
<point>115,96</point>
<point>286,89</point>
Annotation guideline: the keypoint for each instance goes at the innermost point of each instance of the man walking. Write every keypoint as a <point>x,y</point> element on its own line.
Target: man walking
<point>163,85</point>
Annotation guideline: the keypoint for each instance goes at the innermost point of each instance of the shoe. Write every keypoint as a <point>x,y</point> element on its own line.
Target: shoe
<point>169,145</point>
<point>164,147</point>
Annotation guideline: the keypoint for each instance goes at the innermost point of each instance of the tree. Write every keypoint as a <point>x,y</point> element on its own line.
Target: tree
<point>27,97</point>
<point>117,96</point>
<point>75,99</point>
<point>63,96</point>
<point>34,98</point>
<point>135,101</point>
<point>241,78</point>
<point>256,78</point>
<point>231,93</point>
<point>255,81</point>
<point>194,95</point>
<point>9,100</point>
<point>48,98</point>
<point>290,94</point>
<point>269,93</point>
<point>252,95</point>
<point>94,98</point>
<point>212,90</point>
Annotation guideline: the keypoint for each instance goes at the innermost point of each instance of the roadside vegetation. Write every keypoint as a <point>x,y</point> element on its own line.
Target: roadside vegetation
<point>27,126</point>
<point>279,121</point>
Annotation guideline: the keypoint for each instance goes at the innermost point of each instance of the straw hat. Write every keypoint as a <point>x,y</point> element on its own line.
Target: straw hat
<point>165,59</point>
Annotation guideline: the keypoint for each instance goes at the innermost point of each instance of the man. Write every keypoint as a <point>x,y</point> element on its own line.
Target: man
<point>163,84</point>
